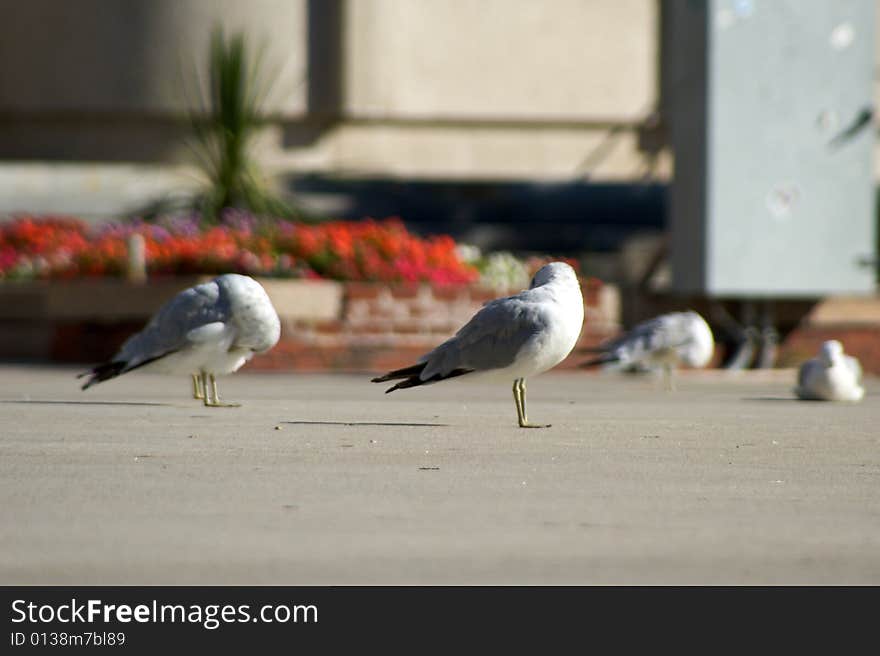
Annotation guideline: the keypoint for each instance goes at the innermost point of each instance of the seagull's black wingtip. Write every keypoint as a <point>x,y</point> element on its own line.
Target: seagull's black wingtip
<point>102,372</point>
<point>406,372</point>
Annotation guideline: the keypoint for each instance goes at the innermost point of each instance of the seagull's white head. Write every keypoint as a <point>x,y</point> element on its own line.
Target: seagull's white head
<point>830,352</point>
<point>701,345</point>
<point>554,272</point>
<point>256,319</point>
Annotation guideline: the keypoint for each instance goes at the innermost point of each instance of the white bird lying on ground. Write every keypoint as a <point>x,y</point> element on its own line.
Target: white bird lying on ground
<point>832,376</point>
<point>670,340</point>
<point>509,338</point>
<point>204,331</point>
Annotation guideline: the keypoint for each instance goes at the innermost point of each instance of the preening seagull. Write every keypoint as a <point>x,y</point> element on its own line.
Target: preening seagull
<point>670,340</point>
<point>205,331</point>
<point>509,338</point>
<point>831,376</point>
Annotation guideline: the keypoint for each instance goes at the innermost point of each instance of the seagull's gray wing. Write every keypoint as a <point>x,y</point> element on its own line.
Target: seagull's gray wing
<point>490,340</point>
<point>181,322</point>
<point>197,314</point>
<point>810,374</point>
<point>652,336</point>
<point>805,371</point>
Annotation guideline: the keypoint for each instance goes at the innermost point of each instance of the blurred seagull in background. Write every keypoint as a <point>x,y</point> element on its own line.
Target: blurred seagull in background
<point>831,376</point>
<point>509,338</point>
<point>204,331</point>
<point>670,340</point>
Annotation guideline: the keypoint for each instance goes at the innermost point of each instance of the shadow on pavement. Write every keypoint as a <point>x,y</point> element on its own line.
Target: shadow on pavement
<point>358,423</point>
<point>55,402</point>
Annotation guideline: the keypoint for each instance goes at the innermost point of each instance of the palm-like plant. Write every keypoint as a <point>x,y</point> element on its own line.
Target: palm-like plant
<point>224,119</point>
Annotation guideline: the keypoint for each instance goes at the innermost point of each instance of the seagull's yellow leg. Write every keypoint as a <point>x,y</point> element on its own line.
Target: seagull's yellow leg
<point>667,377</point>
<point>518,402</point>
<point>206,394</point>
<point>519,395</point>
<point>215,402</point>
<point>198,389</point>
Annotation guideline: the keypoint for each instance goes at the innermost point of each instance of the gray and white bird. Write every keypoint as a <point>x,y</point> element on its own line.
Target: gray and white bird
<point>509,338</point>
<point>204,331</point>
<point>667,341</point>
<point>831,376</point>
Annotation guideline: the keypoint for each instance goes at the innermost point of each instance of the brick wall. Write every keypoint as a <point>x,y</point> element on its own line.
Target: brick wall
<point>325,325</point>
<point>361,326</point>
<point>860,341</point>
<point>803,324</point>
<point>854,321</point>
<point>382,327</point>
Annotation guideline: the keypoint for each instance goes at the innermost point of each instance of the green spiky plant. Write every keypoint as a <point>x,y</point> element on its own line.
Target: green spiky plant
<point>223,121</point>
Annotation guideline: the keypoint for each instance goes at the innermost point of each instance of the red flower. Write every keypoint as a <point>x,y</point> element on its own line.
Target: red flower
<point>62,247</point>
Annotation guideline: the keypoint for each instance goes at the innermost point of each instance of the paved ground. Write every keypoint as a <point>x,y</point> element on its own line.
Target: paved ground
<point>325,480</point>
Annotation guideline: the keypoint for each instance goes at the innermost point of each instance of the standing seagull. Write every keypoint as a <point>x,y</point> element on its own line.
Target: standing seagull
<point>206,330</point>
<point>668,340</point>
<point>509,338</point>
<point>832,376</point>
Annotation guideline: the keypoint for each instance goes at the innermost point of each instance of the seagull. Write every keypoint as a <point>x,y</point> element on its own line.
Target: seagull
<point>509,338</point>
<point>677,338</point>
<point>832,376</point>
<point>207,330</point>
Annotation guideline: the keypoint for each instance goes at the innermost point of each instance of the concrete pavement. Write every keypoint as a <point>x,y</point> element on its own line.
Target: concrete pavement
<point>323,479</point>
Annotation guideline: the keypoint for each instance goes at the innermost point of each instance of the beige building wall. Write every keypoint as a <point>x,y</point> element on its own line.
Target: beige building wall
<point>132,57</point>
<point>566,60</point>
<point>454,88</point>
<point>451,89</point>
<point>104,80</point>
<point>496,88</point>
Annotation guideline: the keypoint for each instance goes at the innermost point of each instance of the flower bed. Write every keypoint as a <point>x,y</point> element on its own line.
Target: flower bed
<point>52,248</point>
<point>364,295</point>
